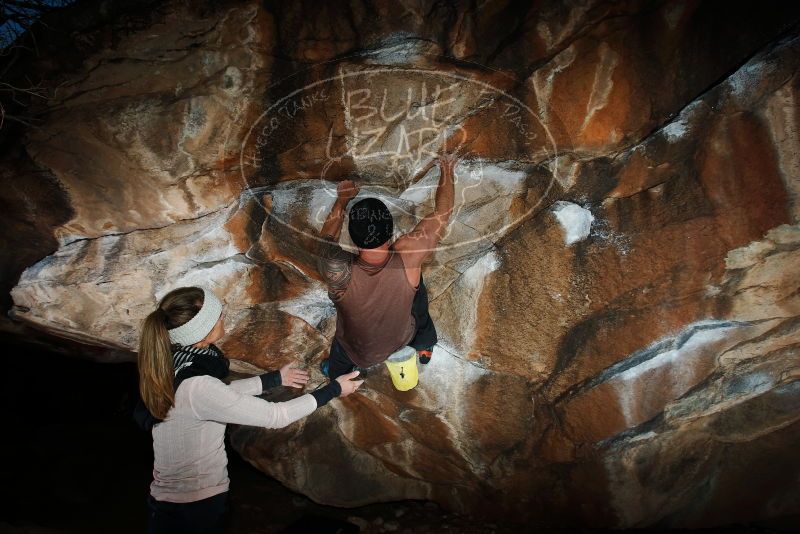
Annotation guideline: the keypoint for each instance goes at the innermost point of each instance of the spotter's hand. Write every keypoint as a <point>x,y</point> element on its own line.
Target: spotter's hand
<point>293,377</point>
<point>348,384</point>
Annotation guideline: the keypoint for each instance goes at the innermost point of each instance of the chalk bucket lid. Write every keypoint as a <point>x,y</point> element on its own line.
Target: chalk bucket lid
<point>402,366</point>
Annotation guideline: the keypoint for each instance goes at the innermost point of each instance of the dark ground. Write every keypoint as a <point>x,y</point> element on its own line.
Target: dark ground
<point>74,461</point>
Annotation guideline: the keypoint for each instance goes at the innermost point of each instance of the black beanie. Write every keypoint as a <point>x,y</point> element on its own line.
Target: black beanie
<point>371,223</point>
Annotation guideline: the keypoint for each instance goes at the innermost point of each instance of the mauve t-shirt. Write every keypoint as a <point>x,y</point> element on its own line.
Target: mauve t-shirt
<point>374,313</point>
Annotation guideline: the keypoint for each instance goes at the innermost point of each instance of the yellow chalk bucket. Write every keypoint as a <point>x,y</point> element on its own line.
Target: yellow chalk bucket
<point>402,366</point>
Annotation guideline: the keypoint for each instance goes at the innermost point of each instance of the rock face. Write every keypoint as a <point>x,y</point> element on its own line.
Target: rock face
<point>617,297</point>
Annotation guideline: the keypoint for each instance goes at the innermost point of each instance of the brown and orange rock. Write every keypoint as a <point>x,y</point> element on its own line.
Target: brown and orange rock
<point>618,294</point>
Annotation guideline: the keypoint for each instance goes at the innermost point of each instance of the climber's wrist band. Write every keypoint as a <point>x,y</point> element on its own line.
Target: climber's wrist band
<point>270,380</point>
<point>325,394</point>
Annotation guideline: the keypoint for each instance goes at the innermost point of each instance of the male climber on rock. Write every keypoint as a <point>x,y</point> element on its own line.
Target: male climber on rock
<point>380,298</point>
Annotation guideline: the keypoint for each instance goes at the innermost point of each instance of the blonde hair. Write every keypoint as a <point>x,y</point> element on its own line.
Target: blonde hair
<point>156,371</point>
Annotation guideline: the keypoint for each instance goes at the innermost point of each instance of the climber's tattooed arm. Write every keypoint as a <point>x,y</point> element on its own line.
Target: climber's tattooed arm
<point>335,266</point>
<point>346,190</point>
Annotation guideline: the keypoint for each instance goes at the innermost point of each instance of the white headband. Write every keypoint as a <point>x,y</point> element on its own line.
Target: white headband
<point>201,324</point>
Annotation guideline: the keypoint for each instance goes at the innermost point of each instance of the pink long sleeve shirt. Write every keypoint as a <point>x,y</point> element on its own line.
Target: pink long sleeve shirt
<point>190,462</point>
